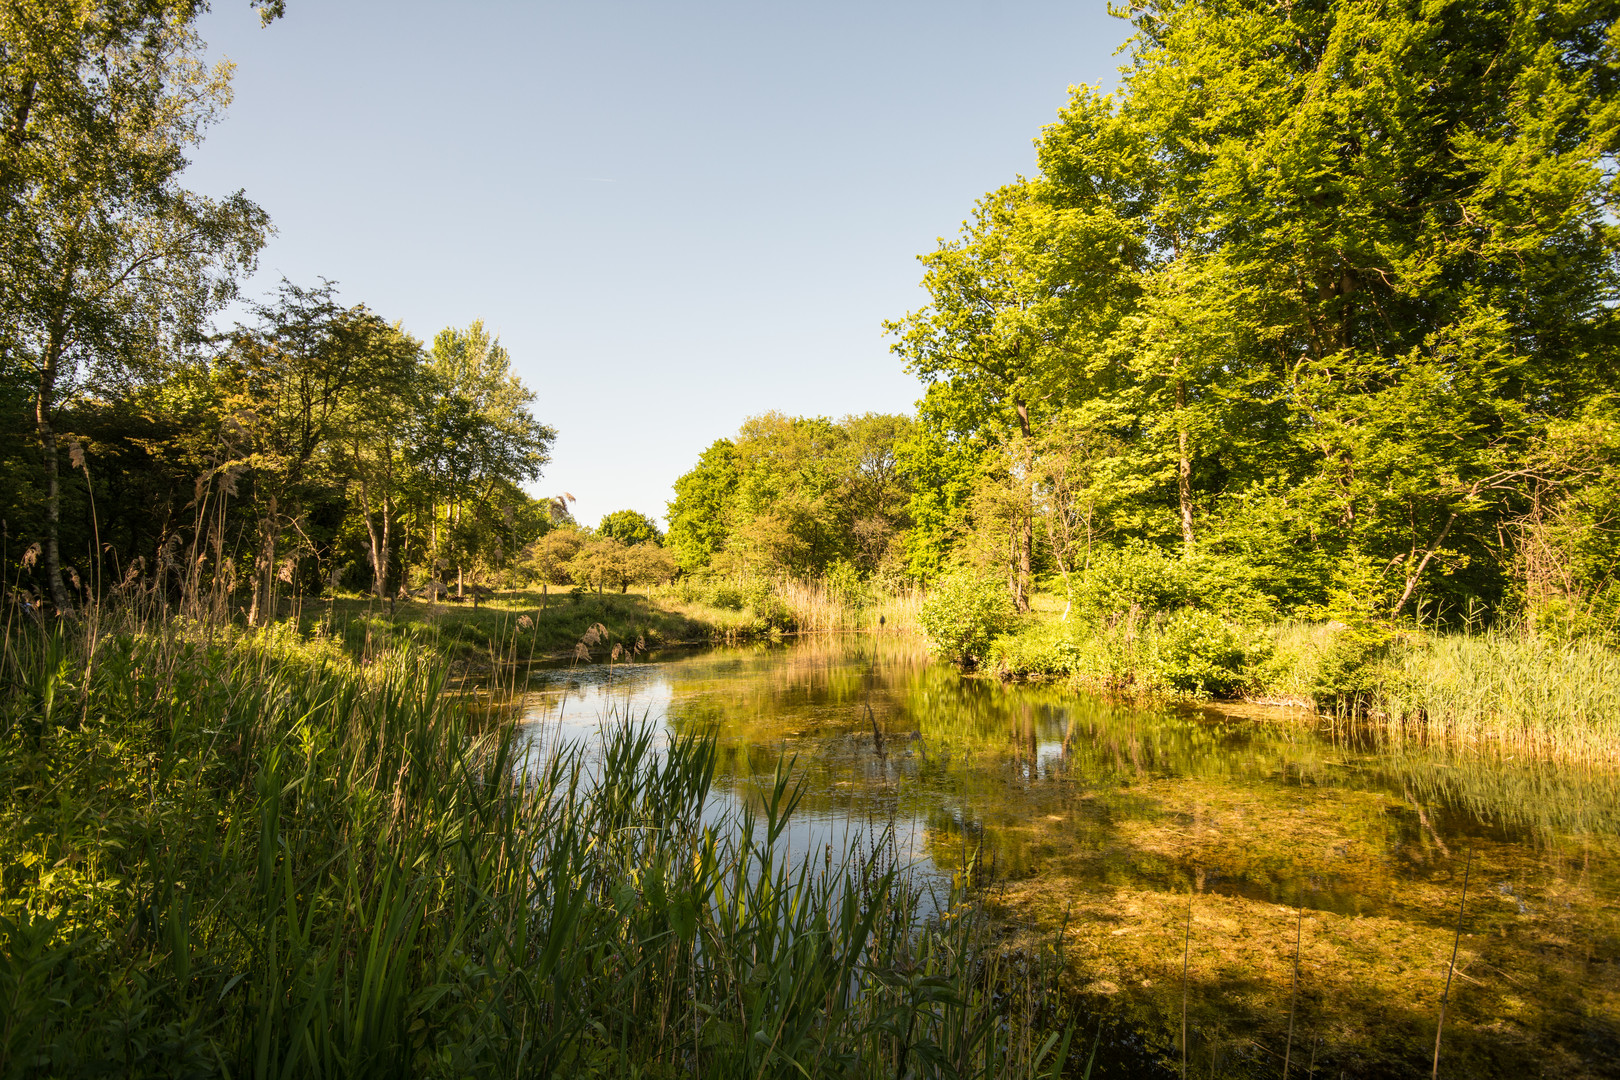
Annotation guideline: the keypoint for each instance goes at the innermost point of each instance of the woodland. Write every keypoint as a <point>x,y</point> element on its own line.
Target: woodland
<point>1314,314</point>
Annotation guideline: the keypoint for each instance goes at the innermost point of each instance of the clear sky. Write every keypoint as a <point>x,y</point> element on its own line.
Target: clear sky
<point>676,215</point>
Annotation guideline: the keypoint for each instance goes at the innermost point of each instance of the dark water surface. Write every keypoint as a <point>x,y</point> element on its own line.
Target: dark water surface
<point>1228,840</point>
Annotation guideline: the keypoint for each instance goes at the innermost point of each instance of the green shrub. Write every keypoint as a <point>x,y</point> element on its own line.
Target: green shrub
<point>962,615</point>
<point>1230,587</point>
<point>1035,649</point>
<point>1140,578</point>
<point>1147,579</point>
<point>844,584</point>
<point>1197,652</point>
<point>1347,676</point>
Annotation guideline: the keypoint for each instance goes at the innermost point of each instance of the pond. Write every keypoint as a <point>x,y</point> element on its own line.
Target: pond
<point>1308,881</point>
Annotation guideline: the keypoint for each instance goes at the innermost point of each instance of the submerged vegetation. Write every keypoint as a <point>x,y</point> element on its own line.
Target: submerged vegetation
<point>231,860</point>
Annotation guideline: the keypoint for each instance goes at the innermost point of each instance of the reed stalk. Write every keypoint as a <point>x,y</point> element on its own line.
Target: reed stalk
<point>256,856</point>
<point>1451,968</point>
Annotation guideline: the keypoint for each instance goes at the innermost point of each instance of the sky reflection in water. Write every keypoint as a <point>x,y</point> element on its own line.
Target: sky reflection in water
<point>1268,825</point>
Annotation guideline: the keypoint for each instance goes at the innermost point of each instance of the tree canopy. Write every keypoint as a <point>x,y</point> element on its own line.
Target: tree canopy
<point>1311,291</point>
<point>795,495</point>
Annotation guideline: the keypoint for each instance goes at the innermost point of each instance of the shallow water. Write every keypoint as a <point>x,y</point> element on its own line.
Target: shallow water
<point>1224,842</point>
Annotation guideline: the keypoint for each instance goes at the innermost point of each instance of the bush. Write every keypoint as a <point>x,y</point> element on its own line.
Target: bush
<point>1348,675</point>
<point>1140,579</point>
<point>1147,579</point>
<point>1198,653</point>
<point>963,614</point>
<point>1035,649</point>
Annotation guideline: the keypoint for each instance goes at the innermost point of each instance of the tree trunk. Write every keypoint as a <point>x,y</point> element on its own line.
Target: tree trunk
<point>44,405</point>
<point>60,597</point>
<point>1026,525</point>
<point>264,588</point>
<point>1184,469</point>
<point>379,544</point>
<point>387,544</point>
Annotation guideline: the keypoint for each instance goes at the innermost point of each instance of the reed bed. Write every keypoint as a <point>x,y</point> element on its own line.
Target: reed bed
<point>817,606</point>
<point>1512,690</point>
<point>231,860</point>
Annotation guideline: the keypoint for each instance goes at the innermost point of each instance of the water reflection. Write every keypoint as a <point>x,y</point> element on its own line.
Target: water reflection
<point>1117,824</point>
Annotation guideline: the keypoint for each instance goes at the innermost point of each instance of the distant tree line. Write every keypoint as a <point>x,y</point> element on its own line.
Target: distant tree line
<point>798,496</point>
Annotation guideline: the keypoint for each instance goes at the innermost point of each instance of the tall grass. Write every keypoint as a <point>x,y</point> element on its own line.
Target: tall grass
<point>234,860</point>
<point>818,606</point>
<point>1507,689</point>
<point>766,605</point>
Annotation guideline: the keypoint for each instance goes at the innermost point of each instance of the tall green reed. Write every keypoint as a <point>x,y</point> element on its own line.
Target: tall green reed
<point>248,860</point>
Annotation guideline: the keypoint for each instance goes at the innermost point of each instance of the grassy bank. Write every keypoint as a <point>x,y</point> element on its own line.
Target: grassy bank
<point>1508,690</point>
<point>523,624</point>
<point>250,860</point>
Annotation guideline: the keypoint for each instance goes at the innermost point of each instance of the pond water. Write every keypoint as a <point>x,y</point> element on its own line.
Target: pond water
<point>1226,842</point>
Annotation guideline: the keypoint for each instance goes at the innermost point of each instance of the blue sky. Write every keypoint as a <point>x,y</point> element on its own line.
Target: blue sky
<point>675,215</point>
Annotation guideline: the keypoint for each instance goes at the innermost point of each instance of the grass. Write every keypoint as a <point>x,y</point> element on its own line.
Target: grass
<point>517,625</point>
<point>514,625</point>
<point>1526,693</point>
<point>246,859</point>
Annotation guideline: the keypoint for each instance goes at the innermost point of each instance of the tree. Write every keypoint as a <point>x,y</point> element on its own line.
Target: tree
<point>795,495</point>
<point>548,558</point>
<point>630,527</point>
<point>1014,302</point>
<point>601,561</point>
<point>877,489</point>
<point>702,506</point>
<point>375,427</point>
<point>477,433</point>
<point>108,265</point>
<point>648,564</point>
<point>296,385</point>
<point>1316,280</point>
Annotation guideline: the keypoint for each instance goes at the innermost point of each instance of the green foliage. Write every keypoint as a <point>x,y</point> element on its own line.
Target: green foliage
<point>697,515</point>
<point>1197,652</point>
<point>630,527</point>
<point>603,562</point>
<point>1037,648</point>
<point>243,861</point>
<point>1348,677</point>
<point>1138,579</point>
<point>110,265</point>
<point>791,496</point>
<point>963,613</point>
<point>1218,323</point>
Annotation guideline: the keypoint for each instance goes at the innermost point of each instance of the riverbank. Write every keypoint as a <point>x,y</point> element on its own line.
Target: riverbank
<point>1506,691</point>
<point>223,858</point>
<point>520,625</point>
